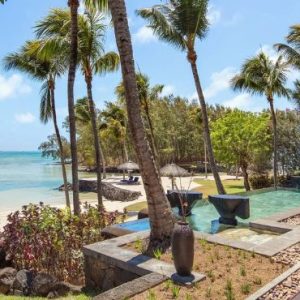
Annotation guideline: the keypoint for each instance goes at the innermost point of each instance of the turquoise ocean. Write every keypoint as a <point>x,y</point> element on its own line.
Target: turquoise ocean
<point>27,177</point>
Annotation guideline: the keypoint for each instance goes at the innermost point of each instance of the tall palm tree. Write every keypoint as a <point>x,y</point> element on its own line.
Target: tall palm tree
<point>113,118</point>
<point>291,50</point>
<point>295,95</point>
<point>84,116</point>
<point>147,95</point>
<point>160,214</point>
<point>262,76</point>
<point>91,58</point>
<point>180,23</point>
<point>45,70</point>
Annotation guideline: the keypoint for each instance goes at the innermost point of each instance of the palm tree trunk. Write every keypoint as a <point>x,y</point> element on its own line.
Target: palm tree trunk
<point>102,158</point>
<point>274,124</point>
<point>246,177</point>
<point>125,152</point>
<point>192,57</point>
<point>60,145</point>
<point>152,139</point>
<point>74,4</point>
<point>88,80</point>
<point>160,214</point>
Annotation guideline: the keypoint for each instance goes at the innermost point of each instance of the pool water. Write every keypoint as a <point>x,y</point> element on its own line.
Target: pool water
<point>261,205</point>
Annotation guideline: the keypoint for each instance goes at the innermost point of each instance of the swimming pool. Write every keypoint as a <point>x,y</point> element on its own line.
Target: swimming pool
<point>261,205</point>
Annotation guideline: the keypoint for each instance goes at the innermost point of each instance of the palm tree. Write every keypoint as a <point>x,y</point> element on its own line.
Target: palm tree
<point>160,214</point>
<point>84,116</point>
<point>291,50</point>
<point>91,58</point>
<point>262,76</point>
<point>296,93</point>
<point>147,95</point>
<point>113,118</point>
<point>46,70</point>
<point>180,23</point>
<point>94,60</point>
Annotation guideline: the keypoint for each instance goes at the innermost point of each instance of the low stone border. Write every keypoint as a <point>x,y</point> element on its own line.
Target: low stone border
<point>108,266</point>
<point>132,288</point>
<point>261,292</point>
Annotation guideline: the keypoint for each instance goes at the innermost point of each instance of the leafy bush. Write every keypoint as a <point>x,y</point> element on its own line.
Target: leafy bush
<point>43,238</point>
<point>259,181</point>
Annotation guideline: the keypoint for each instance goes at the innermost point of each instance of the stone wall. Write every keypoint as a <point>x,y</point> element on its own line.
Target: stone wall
<point>102,276</point>
<point>109,191</point>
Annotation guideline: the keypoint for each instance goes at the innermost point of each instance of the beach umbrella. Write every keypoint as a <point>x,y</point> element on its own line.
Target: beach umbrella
<point>128,166</point>
<point>172,170</point>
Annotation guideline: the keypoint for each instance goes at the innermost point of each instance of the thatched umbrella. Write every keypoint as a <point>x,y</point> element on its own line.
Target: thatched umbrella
<point>172,170</point>
<point>128,166</point>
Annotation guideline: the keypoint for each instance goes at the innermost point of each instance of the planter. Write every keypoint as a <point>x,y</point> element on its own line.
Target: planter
<point>183,248</point>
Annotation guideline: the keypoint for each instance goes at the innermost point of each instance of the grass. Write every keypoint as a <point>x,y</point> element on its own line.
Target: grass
<point>208,187</point>
<point>136,206</point>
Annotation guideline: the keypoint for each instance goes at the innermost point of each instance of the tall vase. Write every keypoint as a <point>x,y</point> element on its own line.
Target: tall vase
<point>183,248</point>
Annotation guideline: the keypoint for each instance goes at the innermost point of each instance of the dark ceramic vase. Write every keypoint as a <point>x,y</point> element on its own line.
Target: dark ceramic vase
<point>183,248</point>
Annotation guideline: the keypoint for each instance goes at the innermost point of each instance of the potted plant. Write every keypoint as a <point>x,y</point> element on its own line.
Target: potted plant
<point>183,242</point>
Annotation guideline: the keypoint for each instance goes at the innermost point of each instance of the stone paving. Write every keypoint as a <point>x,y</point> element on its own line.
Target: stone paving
<point>290,287</point>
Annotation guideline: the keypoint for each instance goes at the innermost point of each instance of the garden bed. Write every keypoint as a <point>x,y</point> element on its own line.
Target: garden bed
<point>229,273</point>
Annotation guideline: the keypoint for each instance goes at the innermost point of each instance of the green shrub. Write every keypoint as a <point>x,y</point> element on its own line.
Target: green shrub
<point>48,239</point>
<point>260,181</point>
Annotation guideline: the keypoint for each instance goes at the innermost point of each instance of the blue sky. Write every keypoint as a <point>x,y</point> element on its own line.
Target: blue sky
<point>238,30</point>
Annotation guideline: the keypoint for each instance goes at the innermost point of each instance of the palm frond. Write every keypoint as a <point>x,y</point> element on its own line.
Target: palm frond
<point>45,105</point>
<point>109,62</point>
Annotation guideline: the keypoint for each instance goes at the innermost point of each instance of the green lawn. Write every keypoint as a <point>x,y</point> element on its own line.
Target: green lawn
<point>207,187</point>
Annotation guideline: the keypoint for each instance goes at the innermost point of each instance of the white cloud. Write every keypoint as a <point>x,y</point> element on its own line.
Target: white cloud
<point>213,15</point>
<point>168,90</point>
<point>244,102</point>
<point>220,81</point>
<point>234,20</point>
<point>144,35</point>
<point>25,118</point>
<point>13,86</point>
<point>270,51</point>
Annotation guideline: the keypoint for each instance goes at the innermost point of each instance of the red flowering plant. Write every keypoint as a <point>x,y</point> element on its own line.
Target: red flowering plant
<point>48,239</point>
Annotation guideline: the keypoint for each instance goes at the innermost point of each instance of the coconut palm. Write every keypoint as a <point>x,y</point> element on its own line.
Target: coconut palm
<point>91,58</point>
<point>262,76</point>
<point>180,23</point>
<point>291,50</point>
<point>160,214</point>
<point>147,95</point>
<point>84,116</point>
<point>46,70</point>
<point>296,93</point>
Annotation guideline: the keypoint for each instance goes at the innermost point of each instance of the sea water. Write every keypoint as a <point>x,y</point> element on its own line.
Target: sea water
<point>27,177</point>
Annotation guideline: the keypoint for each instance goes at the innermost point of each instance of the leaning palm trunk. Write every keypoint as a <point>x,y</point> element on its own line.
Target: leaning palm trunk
<point>192,57</point>
<point>74,4</point>
<point>274,125</point>
<point>60,145</point>
<point>88,80</point>
<point>102,157</point>
<point>160,214</point>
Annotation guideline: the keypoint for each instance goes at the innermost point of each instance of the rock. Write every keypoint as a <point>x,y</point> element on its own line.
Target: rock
<point>23,282</point>
<point>62,187</point>
<point>43,284</point>
<point>7,276</point>
<point>143,213</point>
<point>109,191</point>
<point>63,288</point>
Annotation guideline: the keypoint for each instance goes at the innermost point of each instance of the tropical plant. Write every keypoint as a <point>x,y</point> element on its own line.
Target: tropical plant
<point>180,23</point>
<point>160,214</point>
<point>51,149</point>
<point>147,96</point>
<point>48,239</point>
<point>245,136</point>
<point>46,70</point>
<point>262,76</point>
<point>91,58</point>
<point>291,50</point>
